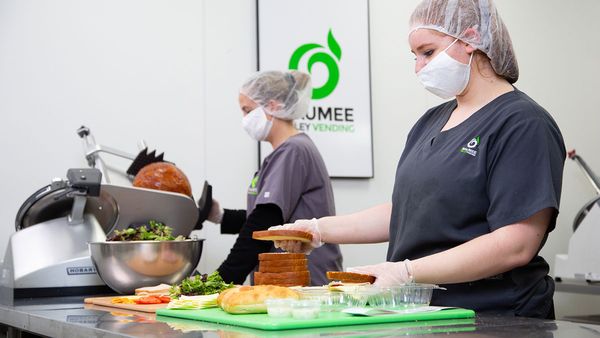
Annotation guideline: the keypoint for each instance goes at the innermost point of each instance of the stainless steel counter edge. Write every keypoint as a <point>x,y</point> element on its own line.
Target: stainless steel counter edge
<point>67,317</point>
<point>41,325</point>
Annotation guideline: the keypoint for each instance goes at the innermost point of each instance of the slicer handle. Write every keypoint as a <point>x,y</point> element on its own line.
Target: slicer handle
<point>590,175</point>
<point>86,180</point>
<point>83,131</point>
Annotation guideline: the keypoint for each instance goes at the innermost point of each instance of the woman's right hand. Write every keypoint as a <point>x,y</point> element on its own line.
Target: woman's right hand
<point>308,225</point>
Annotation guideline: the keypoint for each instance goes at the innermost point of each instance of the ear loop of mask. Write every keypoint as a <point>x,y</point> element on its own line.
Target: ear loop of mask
<point>450,45</point>
<point>453,42</point>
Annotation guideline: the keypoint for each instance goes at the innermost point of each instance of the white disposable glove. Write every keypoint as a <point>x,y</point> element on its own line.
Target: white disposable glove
<point>215,214</point>
<point>388,273</point>
<point>309,225</point>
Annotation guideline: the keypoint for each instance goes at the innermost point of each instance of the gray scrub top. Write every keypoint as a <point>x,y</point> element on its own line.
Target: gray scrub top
<point>294,178</point>
<point>500,166</point>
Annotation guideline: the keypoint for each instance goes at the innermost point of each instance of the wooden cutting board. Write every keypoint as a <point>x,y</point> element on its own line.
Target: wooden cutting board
<point>107,301</point>
<point>137,315</point>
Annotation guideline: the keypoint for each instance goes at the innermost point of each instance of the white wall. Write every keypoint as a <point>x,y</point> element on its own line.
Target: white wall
<point>168,72</point>
<point>127,71</point>
<point>559,69</point>
<point>231,156</point>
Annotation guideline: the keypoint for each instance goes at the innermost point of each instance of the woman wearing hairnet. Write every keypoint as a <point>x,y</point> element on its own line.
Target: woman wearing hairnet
<point>478,184</point>
<point>292,182</point>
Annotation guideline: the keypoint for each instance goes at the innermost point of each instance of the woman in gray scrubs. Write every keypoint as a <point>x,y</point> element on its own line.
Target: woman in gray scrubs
<point>478,185</point>
<point>292,182</point>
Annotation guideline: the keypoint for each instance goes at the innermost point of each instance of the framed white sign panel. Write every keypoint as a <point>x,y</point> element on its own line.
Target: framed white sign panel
<point>328,39</point>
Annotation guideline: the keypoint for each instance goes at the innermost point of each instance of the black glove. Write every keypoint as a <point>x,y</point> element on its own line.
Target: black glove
<point>204,205</point>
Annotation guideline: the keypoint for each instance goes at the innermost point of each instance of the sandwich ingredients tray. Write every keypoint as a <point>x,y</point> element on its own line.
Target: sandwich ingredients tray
<point>264,322</point>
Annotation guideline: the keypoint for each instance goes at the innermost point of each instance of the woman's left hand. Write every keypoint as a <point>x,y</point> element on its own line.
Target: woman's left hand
<point>308,225</point>
<point>388,273</point>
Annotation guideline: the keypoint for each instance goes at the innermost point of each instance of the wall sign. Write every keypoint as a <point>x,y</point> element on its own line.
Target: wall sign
<point>330,40</point>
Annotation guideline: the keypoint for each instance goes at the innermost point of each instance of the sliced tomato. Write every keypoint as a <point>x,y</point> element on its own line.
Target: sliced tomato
<point>148,300</point>
<point>165,299</point>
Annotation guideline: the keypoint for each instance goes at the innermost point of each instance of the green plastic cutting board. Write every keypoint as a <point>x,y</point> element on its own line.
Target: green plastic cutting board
<point>364,331</point>
<point>264,322</point>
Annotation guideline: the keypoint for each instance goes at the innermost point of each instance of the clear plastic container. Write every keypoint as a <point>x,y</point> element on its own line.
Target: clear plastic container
<point>360,296</point>
<point>403,296</point>
<point>279,307</point>
<point>306,308</point>
<point>330,301</point>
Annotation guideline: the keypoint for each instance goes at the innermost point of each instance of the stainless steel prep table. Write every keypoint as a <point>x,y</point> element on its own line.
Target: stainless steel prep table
<point>68,317</point>
<point>577,286</point>
<point>581,287</point>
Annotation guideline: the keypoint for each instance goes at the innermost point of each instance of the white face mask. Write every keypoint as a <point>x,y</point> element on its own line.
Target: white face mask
<point>256,124</point>
<point>444,76</point>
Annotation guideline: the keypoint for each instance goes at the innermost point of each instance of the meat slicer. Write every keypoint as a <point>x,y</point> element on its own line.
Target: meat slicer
<point>583,259</point>
<point>48,254</point>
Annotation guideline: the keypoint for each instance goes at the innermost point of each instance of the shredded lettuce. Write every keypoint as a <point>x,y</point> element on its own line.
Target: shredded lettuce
<point>157,231</point>
<point>194,302</point>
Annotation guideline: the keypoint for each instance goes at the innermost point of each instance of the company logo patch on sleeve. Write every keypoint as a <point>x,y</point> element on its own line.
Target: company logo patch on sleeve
<point>472,147</point>
<point>267,194</point>
<point>253,190</point>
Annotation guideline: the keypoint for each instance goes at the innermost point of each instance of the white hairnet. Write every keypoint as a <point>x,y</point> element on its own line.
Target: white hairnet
<point>454,17</point>
<point>291,91</point>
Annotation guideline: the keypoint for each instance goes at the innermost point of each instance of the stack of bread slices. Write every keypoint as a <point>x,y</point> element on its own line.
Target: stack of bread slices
<point>282,269</point>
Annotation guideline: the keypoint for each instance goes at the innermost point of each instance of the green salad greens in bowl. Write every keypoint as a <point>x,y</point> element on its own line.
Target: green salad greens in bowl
<point>154,231</point>
<point>144,255</point>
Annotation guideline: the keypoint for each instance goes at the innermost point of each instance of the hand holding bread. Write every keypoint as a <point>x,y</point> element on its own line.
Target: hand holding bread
<point>388,273</point>
<point>310,226</point>
<point>350,277</point>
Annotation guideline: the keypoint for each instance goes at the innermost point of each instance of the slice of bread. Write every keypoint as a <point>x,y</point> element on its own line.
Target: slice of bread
<point>301,278</point>
<point>283,235</point>
<point>300,281</point>
<point>350,277</point>
<point>284,262</point>
<point>285,268</point>
<point>276,256</point>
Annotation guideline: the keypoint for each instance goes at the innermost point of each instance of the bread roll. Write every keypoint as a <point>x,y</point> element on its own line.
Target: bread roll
<point>251,299</point>
<point>222,295</point>
<point>276,256</point>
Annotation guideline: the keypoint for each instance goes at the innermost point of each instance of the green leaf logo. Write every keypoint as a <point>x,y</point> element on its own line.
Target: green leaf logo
<point>254,181</point>
<point>329,57</point>
<point>473,143</point>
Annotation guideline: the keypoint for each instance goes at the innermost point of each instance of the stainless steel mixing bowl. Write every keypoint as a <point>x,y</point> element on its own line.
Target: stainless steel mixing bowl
<point>125,266</point>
